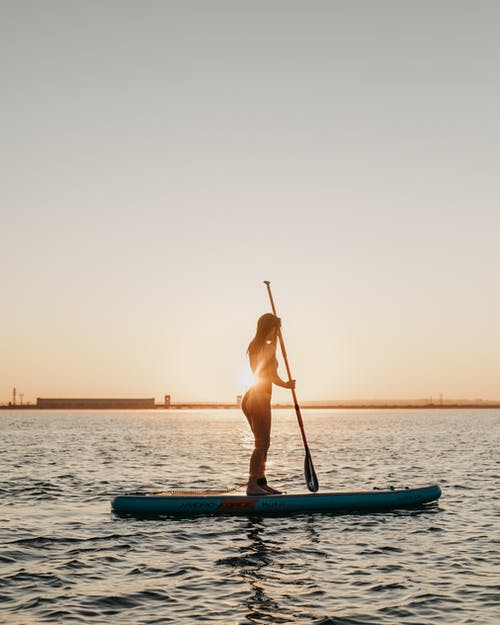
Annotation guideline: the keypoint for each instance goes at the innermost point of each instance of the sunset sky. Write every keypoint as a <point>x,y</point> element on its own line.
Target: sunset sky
<point>160,159</point>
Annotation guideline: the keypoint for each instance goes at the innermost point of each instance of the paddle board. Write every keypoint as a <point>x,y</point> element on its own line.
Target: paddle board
<point>175,504</point>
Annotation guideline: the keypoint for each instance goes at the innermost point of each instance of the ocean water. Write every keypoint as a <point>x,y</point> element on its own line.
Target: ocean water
<point>66,558</point>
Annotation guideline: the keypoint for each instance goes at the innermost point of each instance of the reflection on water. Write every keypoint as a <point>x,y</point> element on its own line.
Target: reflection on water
<point>66,558</point>
<point>257,565</point>
<point>252,567</point>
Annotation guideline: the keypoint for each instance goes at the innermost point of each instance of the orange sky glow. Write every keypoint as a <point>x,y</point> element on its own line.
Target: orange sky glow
<point>159,163</point>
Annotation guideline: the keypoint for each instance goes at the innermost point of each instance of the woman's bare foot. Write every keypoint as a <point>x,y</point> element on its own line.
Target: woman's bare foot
<point>255,489</point>
<point>271,491</point>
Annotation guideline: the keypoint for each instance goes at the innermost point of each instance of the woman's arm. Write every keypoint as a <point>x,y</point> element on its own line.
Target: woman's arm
<point>279,382</point>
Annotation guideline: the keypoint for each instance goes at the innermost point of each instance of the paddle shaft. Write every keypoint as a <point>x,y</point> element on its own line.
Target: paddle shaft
<point>287,366</point>
<point>309,472</point>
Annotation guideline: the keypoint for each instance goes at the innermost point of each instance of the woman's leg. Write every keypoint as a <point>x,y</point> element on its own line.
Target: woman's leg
<point>257,409</point>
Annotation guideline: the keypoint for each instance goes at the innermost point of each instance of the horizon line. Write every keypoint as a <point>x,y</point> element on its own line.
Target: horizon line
<point>150,403</point>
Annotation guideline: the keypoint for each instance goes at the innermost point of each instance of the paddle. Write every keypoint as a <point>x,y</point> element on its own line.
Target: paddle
<point>309,472</point>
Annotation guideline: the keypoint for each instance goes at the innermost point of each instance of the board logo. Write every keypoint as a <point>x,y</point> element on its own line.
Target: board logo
<point>238,504</point>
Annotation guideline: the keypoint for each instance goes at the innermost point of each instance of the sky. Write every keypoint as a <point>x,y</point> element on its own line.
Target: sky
<point>160,159</point>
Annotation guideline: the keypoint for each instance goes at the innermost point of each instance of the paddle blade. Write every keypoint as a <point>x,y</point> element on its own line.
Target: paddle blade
<point>310,473</point>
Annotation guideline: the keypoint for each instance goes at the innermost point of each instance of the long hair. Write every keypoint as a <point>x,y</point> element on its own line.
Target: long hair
<point>265,324</point>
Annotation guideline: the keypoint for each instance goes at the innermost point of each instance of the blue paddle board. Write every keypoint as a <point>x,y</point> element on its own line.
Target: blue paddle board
<point>210,503</point>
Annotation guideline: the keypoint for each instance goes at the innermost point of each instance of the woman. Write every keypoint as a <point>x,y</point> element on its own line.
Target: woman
<point>256,403</point>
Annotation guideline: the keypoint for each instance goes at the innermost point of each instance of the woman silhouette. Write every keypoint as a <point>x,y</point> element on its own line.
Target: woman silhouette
<point>256,403</point>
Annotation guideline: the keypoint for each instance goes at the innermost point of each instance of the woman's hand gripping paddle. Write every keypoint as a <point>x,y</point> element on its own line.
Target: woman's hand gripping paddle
<point>309,472</point>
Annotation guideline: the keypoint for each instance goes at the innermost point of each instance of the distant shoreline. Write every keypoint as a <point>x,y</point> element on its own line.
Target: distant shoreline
<point>284,406</point>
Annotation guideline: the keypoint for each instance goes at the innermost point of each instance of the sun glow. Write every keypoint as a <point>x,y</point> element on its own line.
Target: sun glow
<point>246,378</point>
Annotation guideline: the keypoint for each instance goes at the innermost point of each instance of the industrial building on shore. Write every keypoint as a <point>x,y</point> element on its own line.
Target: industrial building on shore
<point>95,403</point>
